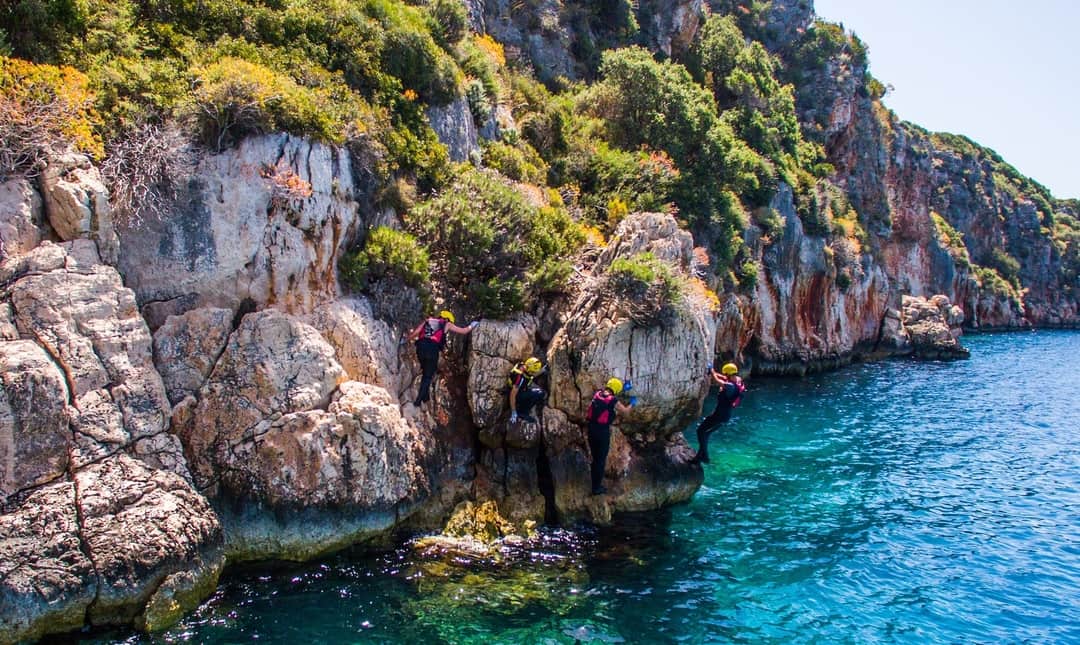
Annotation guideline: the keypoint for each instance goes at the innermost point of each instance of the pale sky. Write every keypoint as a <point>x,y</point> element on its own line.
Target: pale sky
<point>1004,73</point>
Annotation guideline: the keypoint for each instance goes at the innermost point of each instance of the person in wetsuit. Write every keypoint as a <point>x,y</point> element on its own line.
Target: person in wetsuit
<point>524,392</point>
<point>605,404</point>
<point>729,397</point>
<point>430,336</point>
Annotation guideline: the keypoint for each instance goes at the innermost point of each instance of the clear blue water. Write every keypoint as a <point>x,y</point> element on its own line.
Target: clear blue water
<point>889,502</point>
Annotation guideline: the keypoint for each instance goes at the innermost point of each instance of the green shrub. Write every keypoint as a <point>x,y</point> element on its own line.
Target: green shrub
<point>990,280</point>
<point>748,275</point>
<point>645,102</point>
<point>952,239</point>
<point>43,109</point>
<point>1006,265</point>
<point>643,180</point>
<point>491,250</point>
<point>770,221</point>
<point>386,253</point>
<point>646,286</point>
<point>520,162</point>
<point>448,20</point>
<point>235,98</point>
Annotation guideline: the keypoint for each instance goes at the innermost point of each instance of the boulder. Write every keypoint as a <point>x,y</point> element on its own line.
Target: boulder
<point>35,439</point>
<point>140,526</point>
<point>21,221</point>
<point>97,549</point>
<point>494,348</point>
<point>47,581</point>
<point>297,460</point>
<point>187,346</point>
<point>77,203</point>
<point>666,364</point>
<point>934,327</point>
<point>273,365</point>
<point>78,311</point>
<point>365,346</point>
<point>454,125</point>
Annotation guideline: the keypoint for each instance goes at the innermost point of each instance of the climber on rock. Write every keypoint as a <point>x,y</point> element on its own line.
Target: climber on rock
<point>727,399</point>
<point>601,412</point>
<point>524,392</point>
<point>430,336</point>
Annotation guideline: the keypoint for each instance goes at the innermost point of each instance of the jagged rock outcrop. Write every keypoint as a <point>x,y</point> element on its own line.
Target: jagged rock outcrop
<point>298,460</point>
<point>34,434</point>
<point>78,311</point>
<point>507,466</point>
<point>186,348</point>
<point>934,327</point>
<point>668,26</point>
<point>648,462</point>
<point>261,225</point>
<point>141,525</point>
<point>96,510</point>
<point>364,345</point>
<point>48,580</point>
<point>802,319</point>
<point>496,346</point>
<point>899,177</point>
<point>538,37</point>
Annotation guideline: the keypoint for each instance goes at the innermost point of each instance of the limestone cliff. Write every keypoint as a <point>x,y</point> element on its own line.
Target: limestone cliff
<point>201,388</point>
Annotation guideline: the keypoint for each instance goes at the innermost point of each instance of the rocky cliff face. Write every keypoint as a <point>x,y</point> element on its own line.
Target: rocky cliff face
<point>195,390</point>
<point>901,179</point>
<point>259,226</point>
<point>99,512</point>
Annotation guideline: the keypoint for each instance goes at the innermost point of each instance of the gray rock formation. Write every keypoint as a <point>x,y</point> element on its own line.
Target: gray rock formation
<point>22,220</point>
<point>933,326</point>
<point>454,125</point>
<point>666,365</point>
<point>77,203</point>
<point>261,225</point>
<point>96,510</point>
<point>186,348</point>
<point>298,460</point>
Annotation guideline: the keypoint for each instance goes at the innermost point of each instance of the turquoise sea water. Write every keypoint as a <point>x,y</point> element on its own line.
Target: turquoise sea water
<point>890,502</point>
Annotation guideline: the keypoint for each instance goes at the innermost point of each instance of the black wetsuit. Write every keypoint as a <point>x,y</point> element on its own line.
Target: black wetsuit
<point>527,398</point>
<point>427,352</point>
<point>725,401</point>
<point>601,414</point>
<point>428,347</point>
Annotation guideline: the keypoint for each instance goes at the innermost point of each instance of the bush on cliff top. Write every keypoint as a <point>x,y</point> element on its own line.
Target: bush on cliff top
<point>648,288</point>
<point>327,69</point>
<point>492,250</point>
<point>43,109</point>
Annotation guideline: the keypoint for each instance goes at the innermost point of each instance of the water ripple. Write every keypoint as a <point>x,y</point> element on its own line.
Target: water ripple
<point>894,502</point>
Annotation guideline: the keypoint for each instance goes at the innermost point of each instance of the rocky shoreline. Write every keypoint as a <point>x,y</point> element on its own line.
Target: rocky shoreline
<point>148,445</point>
<point>190,392</point>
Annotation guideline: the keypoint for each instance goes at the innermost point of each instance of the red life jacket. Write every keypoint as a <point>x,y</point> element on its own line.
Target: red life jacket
<point>602,408</point>
<point>435,331</point>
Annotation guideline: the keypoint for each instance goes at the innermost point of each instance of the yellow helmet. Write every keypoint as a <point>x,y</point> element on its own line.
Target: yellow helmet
<point>615,385</point>
<point>447,315</point>
<point>532,366</point>
<point>729,368</point>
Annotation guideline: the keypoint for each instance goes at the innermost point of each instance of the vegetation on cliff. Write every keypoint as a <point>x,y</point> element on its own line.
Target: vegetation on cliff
<point>709,134</point>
